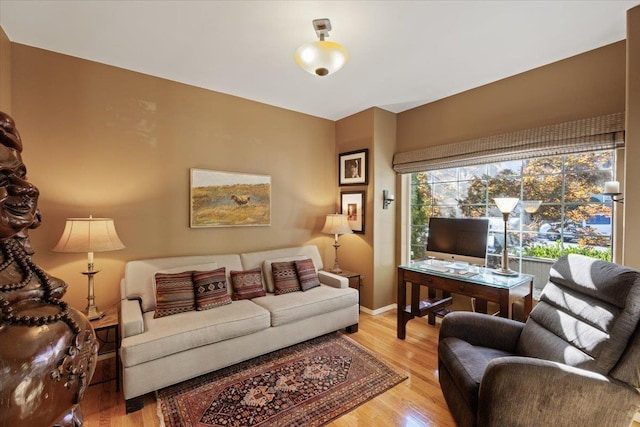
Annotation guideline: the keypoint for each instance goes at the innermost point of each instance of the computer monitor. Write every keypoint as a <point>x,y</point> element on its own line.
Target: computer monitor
<point>458,239</point>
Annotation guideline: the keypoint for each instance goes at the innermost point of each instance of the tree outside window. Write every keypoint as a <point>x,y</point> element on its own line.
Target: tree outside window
<point>574,216</point>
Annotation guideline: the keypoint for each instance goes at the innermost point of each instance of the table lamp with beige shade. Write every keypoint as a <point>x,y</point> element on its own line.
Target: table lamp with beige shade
<point>89,235</point>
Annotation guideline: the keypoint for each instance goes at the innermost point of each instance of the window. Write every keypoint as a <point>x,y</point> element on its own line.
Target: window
<point>573,217</point>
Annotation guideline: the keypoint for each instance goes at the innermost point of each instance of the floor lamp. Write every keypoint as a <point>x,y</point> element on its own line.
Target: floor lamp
<point>506,205</point>
<point>336,224</point>
<point>89,235</point>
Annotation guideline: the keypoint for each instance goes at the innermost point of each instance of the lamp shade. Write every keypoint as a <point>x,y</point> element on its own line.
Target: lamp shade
<point>531,206</point>
<point>321,57</point>
<point>336,224</point>
<point>506,204</point>
<point>84,235</point>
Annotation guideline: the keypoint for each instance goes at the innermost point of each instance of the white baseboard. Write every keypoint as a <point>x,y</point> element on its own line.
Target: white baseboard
<point>378,310</point>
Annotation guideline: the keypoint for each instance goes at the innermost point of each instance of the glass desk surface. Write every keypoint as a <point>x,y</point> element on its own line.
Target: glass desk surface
<point>479,275</point>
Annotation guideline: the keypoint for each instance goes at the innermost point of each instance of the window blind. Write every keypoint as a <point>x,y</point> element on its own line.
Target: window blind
<point>596,133</point>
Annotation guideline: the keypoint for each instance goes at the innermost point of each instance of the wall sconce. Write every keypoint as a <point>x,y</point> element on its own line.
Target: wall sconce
<point>387,199</point>
<point>612,189</point>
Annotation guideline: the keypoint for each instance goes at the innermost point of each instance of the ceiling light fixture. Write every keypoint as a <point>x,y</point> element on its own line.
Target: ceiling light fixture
<point>321,57</point>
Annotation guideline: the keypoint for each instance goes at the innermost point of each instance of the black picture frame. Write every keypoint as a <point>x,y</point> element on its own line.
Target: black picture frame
<point>352,204</point>
<point>353,168</point>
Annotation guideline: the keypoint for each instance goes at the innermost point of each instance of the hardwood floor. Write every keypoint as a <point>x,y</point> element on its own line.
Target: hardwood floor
<point>416,402</point>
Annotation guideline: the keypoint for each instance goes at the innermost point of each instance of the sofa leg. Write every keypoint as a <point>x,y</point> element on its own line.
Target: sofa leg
<point>352,329</point>
<point>134,404</point>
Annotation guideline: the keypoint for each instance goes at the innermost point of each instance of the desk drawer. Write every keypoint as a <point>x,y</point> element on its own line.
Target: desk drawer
<point>469,289</point>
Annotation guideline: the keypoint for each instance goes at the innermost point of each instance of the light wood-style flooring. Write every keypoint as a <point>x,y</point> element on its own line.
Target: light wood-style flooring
<point>415,402</point>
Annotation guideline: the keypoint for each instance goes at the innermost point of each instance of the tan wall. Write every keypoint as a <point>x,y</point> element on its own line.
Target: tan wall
<point>632,151</point>
<point>109,142</point>
<point>372,254</point>
<point>5,72</point>
<point>587,85</point>
<point>582,86</point>
<point>384,234</point>
<point>353,133</point>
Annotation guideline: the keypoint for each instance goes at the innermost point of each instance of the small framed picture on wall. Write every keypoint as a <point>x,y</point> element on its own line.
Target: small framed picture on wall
<point>352,205</point>
<point>353,167</point>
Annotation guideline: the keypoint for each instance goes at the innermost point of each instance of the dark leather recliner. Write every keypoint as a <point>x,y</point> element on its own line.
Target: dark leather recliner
<point>576,360</point>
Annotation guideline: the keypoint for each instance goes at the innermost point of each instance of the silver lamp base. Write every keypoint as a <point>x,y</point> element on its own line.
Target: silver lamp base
<point>505,272</point>
<point>93,313</point>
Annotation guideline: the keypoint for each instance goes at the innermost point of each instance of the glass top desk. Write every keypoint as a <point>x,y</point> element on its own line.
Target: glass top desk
<point>481,284</point>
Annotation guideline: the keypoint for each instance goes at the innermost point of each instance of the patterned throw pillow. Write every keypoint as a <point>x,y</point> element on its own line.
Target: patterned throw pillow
<point>210,289</point>
<point>247,284</point>
<point>174,294</point>
<point>285,278</point>
<point>307,274</point>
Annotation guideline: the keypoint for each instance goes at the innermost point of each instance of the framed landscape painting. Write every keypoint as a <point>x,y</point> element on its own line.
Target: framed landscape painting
<point>227,199</point>
<point>353,167</point>
<point>352,205</point>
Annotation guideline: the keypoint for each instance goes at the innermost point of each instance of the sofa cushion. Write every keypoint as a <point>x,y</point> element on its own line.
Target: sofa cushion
<point>267,268</point>
<point>307,274</point>
<point>247,284</point>
<point>210,288</point>
<point>257,259</point>
<point>169,335</point>
<point>295,306</point>
<point>138,275</point>
<point>174,293</point>
<point>285,277</point>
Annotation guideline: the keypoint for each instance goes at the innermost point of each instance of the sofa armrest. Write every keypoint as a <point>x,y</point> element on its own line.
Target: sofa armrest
<point>332,279</point>
<point>551,393</point>
<point>482,330</point>
<point>131,318</point>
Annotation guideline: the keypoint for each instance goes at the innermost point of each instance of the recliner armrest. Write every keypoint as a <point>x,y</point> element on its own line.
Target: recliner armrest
<point>550,393</point>
<point>131,319</point>
<point>482,330</point>
<point>332,279</point>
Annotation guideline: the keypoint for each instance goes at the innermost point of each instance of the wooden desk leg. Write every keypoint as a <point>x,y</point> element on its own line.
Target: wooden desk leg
<point>431,317</point>
<point>403,316</point>
<point>505,307</point>
<point>481,305</point>
<point>528,302</point>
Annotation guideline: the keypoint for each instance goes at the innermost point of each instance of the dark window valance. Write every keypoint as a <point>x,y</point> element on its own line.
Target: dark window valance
<point>596,133</point>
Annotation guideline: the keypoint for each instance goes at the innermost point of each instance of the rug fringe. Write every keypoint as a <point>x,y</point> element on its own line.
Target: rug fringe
<point>159,410</point>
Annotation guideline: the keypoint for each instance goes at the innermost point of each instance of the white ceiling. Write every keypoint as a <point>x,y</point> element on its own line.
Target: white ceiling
<point>402,53</point>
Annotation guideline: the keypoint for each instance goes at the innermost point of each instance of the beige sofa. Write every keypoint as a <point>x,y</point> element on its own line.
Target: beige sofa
<point>158,352</point>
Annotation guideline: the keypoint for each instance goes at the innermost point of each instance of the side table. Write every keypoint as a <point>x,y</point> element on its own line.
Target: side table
<point>107,329</point>
<point>352,275</point>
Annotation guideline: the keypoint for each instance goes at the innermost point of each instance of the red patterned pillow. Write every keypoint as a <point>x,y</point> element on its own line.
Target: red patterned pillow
<point>174,294</point>
<point>247,284</point>
<point>307,274</point>
<point>285,278</point>
<point>210,289</point>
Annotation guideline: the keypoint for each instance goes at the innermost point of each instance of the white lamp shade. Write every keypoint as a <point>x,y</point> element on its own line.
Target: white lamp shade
<point>336,224</point>
<point>84,235</point>
<point>506,204</point>
<point>321,57</point>
<point>531,206</point>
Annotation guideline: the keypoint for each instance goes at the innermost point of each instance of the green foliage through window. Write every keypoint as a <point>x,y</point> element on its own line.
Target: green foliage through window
<point>574,217</point>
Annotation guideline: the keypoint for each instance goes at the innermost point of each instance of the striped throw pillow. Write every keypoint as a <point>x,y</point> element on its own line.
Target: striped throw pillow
<point>174,294</point>
<point>247,284</point>
<point>285,278</point>
<point>210,289</point>
<point>307,274</point>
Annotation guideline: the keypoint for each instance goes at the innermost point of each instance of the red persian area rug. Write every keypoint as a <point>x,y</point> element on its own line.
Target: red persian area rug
<point>308,384</point>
